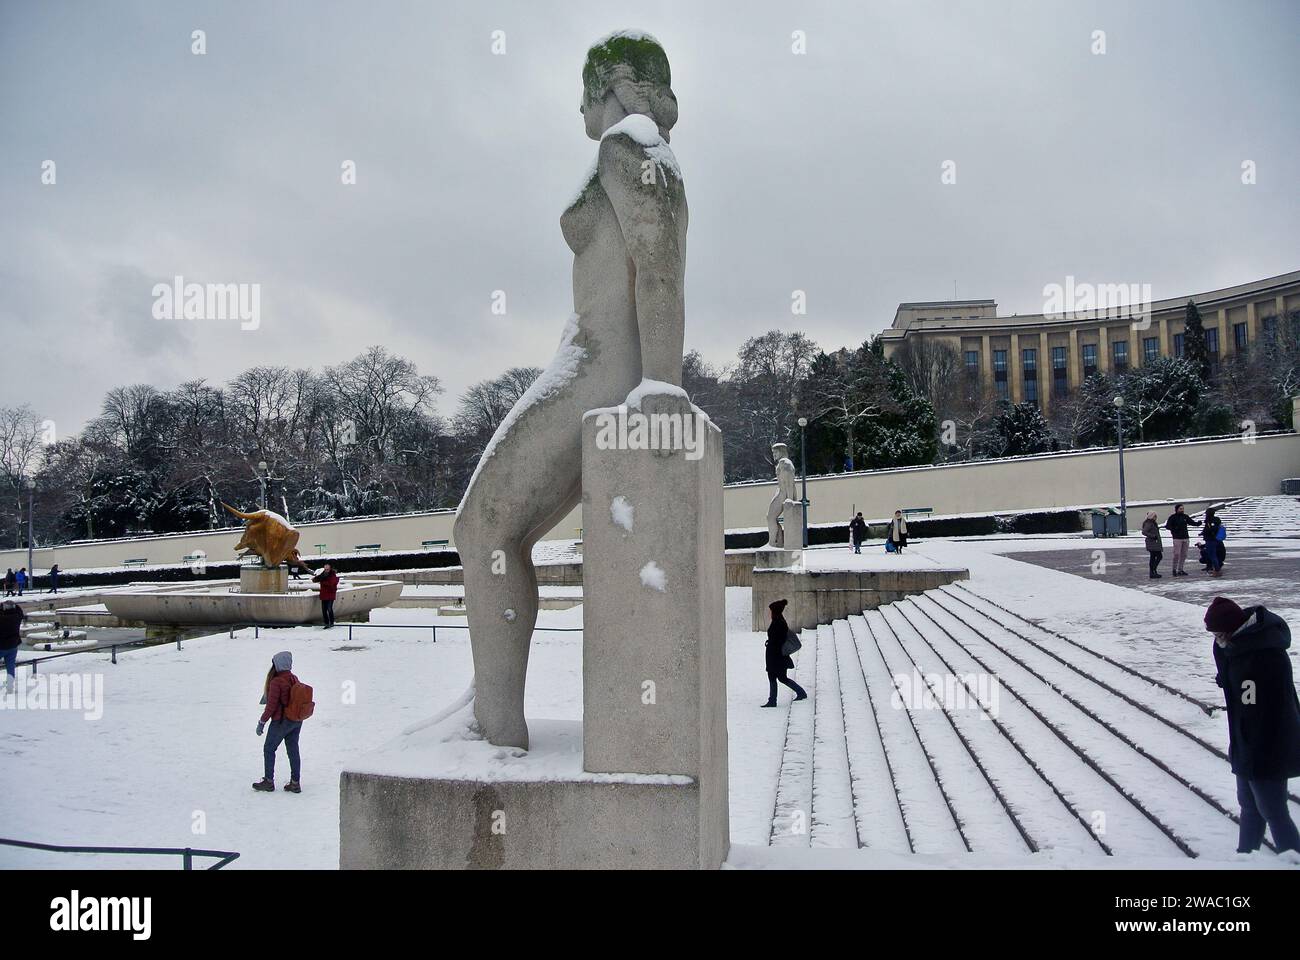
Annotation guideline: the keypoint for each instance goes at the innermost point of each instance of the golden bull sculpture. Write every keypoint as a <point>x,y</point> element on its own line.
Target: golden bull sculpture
<point>268,536</point>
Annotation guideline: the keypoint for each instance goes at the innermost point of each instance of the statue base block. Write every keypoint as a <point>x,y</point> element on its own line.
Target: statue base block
<point>264,579</point>
<point>775,558</point>
<point>492,809</point>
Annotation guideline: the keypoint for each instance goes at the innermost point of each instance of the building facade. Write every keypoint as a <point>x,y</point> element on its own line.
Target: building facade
<point>1044,357</point>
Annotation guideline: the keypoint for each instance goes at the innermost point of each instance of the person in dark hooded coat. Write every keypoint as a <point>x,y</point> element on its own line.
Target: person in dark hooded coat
<point>1254,670</point>
<point>777,662</point>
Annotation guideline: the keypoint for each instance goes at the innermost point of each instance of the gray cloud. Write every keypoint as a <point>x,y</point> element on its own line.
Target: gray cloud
<point>817,172</point>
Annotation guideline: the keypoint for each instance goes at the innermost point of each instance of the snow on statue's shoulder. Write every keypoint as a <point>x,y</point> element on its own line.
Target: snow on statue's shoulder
<point>645,132</point>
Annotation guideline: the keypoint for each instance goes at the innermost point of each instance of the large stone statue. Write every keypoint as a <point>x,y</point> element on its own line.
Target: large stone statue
<point>269,536</point>
<point>627,231</point>
<point>783,500</point>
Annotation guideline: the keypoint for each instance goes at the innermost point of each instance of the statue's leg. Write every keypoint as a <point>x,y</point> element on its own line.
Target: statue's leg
<point>518,495</point>
<point>774,508</point>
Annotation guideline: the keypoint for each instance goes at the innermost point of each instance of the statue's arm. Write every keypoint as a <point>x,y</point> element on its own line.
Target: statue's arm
<point>647,213</point>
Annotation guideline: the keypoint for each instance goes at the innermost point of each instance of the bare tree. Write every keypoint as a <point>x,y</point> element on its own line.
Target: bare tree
<point>20,449</point>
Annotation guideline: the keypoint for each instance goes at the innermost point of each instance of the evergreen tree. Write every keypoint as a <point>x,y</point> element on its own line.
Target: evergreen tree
<point>1195,350</point>
<point>1021,429</point>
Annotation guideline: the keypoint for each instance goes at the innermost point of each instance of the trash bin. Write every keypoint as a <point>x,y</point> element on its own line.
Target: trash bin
<point>1107,522</point>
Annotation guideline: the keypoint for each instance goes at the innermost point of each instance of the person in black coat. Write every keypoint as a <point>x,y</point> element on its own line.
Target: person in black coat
<point>11,623</point>
<point>777,662</point>
<point>1177,527</point>
<point>857,532</point>
<point>1254,670</point>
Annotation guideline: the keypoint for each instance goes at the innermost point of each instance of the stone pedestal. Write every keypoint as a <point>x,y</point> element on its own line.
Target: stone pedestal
<point>264,580</point>
<point>775,558</point>
<point>530,812</point>
<point>792,524</point>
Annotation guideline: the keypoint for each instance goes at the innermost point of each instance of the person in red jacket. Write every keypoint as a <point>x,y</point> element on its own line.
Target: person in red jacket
<point>329,588</point>
<point>275,694</point>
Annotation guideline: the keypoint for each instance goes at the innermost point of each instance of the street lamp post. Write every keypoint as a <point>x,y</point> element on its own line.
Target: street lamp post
<point>803,469</point>
<point>261,478</point>
<point>31,499</point>
<point>1118,401</point>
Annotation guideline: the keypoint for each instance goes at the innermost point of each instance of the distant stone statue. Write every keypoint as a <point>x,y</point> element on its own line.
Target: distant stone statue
<point>627,230</point>
<point>782,499</point>
<point>269,536</point>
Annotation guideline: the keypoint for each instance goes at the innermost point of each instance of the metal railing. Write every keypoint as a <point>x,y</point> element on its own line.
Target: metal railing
<point>432,627</point>
<point>187,854</point>
<point>113,647</point>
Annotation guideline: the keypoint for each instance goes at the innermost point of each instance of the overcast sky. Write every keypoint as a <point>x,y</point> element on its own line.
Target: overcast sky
<point>818,172</point>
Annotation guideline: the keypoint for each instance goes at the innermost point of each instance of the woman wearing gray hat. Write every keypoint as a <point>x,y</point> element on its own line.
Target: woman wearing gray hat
<point>279,683</point>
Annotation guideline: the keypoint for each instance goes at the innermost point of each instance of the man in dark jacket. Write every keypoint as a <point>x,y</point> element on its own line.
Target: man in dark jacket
<point>1254,670</point>
<point>329,587</point>
<point>857,532</point>
<point>275,694</point>
<point>11,622</point>
<point>779,662</point>
<point>1177,527</point>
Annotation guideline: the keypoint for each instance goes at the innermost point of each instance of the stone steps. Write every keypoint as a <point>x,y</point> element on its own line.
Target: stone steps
<point>1000,737</point>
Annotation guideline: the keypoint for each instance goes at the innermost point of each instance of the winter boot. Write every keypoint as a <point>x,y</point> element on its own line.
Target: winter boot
<point>264,785</point>
<point>292,787</point>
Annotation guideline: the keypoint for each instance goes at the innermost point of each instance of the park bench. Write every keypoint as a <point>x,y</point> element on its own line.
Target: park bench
<point>435,543</point>
<point>137,562</point>
<point>917,511</point>
<point>366,548</point>
<point>320,548</point>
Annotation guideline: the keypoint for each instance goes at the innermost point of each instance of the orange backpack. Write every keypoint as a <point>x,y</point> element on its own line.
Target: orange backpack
<point>300,706</point>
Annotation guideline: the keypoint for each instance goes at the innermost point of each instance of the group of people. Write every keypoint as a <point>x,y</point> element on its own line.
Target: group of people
<point>17,582</point>
<point>1253,668</point>
<point>1211,545</point>
<point>895,535</point>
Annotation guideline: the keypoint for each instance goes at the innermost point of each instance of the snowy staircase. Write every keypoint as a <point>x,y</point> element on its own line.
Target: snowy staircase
<point>1262,517</point>
<point>945,723</point>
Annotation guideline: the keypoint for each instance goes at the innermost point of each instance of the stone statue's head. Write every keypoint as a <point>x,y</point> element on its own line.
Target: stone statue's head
<point>779,451</point>
<point>630,69</point>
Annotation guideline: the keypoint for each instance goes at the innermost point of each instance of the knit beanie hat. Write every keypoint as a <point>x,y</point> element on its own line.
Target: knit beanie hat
<point>1224,616</point>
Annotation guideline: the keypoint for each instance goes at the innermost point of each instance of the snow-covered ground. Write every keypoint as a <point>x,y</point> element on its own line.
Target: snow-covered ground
<point>171,760</point>
<point>175,748</point>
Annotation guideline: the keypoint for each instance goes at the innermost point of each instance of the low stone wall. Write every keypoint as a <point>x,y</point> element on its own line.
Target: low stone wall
<point>818,597</point>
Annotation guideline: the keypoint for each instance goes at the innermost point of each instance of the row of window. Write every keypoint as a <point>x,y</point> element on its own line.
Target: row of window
<point>1119,355</point>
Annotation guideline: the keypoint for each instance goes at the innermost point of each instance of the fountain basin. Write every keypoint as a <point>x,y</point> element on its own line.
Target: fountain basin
<point>222,602</point>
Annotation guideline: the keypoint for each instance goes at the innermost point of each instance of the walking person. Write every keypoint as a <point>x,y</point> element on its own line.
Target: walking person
<point>778,662</point>
<point>857,532</point>
<point>11,582</point>
<point>54,579</point>
<point>898,532</point>
<point>1177,527</point>
<point>1213,533</point>
<point>276,692</point>
<point>22,580</point>
<point>11,622</point>
<point>1155,546</point>
<point>1254,670</point>
<point>329,587</point>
